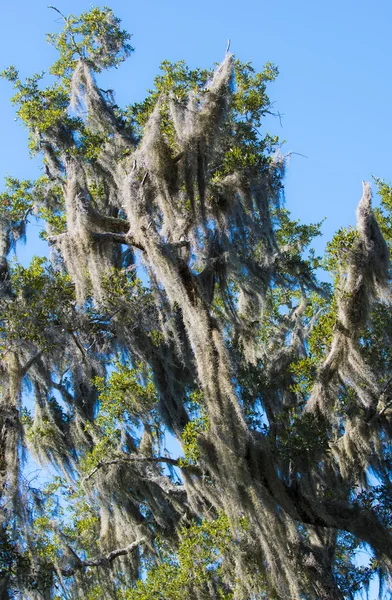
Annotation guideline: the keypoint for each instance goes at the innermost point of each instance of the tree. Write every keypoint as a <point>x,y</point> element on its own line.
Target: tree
<point>181,299</point>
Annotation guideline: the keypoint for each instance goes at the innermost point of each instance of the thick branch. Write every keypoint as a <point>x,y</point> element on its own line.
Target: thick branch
<point>30,362</point>
<point>110,224</point>
<point>362,523</point>
<point>117,238</point>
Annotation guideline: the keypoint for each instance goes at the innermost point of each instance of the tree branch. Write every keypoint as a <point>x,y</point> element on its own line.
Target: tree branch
<point>102,560</point>
<point>57,10</point>
<point>110,224</point>
<point>30,362</point>
<point>135,459</point>
<point>362,523</point>
<point>117,238</point>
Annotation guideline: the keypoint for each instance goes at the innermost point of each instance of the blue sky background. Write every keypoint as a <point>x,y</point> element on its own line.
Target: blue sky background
<point>334,90</point>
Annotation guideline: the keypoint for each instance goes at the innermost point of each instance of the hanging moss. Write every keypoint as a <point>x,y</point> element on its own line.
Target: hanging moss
<point>179,301</point>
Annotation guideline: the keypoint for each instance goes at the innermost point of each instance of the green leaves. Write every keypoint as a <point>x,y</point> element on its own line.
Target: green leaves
<point>174,83</point>
<point>42,296</point>
<point>384,211</point>
<point>16,204</point>
<point>197,564</point>
<point>303,438</point>
<point>126,399</point>
<point>189,439</point>
<point>95,37</point>
<point>128,392</point>
<point>250,98</point>
<point>39,109</point>
<point>339,249</point>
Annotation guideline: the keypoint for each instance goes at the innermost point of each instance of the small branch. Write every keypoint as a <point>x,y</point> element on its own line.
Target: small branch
<point>374,416</point>
<point>79,345</point>
<point>28,211</point>
<point>277,114</point>
<point>382,411</point>
<point>102,560</point>
<point>135,459</point>
<point>59,12</point>
<point>70,32</point>
<point>228,46</point>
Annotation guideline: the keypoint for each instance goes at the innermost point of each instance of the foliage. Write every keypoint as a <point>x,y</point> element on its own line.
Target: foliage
<point>95,37</point>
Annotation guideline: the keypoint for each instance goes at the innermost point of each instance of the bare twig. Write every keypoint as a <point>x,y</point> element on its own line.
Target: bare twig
<point>58,11</point>
<point>297,153</point>
<point>70,32</point>
<point>275,114</point>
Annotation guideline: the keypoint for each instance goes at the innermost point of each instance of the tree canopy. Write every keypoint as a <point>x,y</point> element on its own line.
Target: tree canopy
<point>182,306</point>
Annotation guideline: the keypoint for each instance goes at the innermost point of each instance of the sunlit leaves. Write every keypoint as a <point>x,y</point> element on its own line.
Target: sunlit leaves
<point>42,296</point>
<point>94,36</point>
<point>197,564</point>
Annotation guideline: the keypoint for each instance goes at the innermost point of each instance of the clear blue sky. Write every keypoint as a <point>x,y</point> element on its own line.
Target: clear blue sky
<point>334,88</point>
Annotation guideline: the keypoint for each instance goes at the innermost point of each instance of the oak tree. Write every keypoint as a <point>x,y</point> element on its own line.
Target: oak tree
<point>181,302</point>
